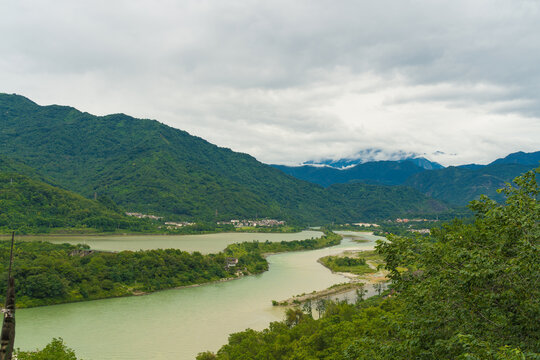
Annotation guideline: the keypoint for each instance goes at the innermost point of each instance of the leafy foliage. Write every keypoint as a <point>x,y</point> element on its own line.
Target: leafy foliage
<point>454,185</point>
<point>29,205</point>
<point>458,186</point>
<point>375,172</point>
<point>346,264</point>
<point>55,350</point>
<point>57,273</point>
<point>470,291</point>
<point>480,279</point>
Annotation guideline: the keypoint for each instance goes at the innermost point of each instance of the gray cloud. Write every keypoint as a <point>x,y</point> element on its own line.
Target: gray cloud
<point>287,82</point>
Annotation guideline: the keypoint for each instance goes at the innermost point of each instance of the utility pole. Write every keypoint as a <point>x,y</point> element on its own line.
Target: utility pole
<point>7,337</point>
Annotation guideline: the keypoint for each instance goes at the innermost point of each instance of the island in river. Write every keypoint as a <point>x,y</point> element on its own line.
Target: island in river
<point>57,273</point>
<point>180,323</point>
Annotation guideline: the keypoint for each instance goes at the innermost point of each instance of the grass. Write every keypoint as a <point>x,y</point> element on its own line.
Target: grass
<point>352,262</point>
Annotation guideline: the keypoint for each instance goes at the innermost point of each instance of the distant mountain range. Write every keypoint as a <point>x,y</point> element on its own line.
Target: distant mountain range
<point>148,167</point>
<point>458,186</point>
<point>454,185</point>
<point>369,154</point>
<point>377,172</point>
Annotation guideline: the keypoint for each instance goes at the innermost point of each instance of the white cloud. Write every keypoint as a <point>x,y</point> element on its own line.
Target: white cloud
<point>287,82</point>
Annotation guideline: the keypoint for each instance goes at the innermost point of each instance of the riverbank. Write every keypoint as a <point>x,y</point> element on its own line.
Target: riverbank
<point>356,281</point>
<point>182,322</point>
<point>63,273</point>
<point>196,229</point>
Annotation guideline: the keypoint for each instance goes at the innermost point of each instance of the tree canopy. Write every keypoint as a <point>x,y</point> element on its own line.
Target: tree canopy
<point>468,291</point>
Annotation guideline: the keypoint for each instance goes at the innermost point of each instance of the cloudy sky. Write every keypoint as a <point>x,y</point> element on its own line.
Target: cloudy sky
<point>289,81</point>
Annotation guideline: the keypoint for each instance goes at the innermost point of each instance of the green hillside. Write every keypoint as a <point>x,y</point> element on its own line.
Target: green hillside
<point>29,205</point>
<point>458,186</point>
<point>374,172</point>
<point>149,167</point>
<point>379,202</point>
<point>467,291</point>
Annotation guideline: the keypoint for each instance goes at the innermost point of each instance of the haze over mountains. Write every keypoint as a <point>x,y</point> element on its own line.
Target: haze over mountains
<point>149,167</point>
<point>371,155</point>
<point>454,185</point>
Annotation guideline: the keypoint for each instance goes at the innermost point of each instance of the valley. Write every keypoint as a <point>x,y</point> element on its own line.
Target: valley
<point>108,207</point>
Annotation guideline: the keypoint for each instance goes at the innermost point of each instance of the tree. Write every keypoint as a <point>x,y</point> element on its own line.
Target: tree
<point>207,355</point>
<point>481,280</point>
<point>360,292</point>
<point>56,350</point>
<point>307,307</point>
<point>293,316</point>
<point>378,287</point>
<point>320,306</point>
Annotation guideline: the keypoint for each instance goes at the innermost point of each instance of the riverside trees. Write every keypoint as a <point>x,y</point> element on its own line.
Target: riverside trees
<point>57,273</point>
<point>469,291</point>
<point>474,283</point>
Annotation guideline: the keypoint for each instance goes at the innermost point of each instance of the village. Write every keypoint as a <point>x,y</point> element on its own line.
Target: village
<point>236,223</point>
<point>253,223</point>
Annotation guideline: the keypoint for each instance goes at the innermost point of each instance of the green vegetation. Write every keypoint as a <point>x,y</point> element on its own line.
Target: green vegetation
<point>454,185</point>
<point>55,350</point>
<point>328,239</point>
<point>408,229</point>
<point>29,204</point>
<point>373,172</point>
<point>346,264</point>
<point>32,206</point>
<point>57,273</point>
<point>145,166</point>
<point>458,186</point>
<point>357,264</point>
<point>469,291</point>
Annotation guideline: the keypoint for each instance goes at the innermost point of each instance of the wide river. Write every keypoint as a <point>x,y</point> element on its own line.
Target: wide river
<point>206,244</point>
<point>179,323</point>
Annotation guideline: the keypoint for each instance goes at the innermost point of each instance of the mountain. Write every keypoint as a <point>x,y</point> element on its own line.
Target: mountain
<point>471,166</point>
<point>335,164</point>
<point>458,185</point>
<point>520,157</point>
<point>30,205</point>
<point>376,172</point>
<point>461,184</point>
<point>149,167</point>
<point>424,163</point>
<point>367,157</point>
<point>379,201</point>
<point>453,185</point>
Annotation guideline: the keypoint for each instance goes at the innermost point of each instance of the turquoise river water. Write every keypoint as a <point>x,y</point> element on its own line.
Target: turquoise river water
<point>179,323</point>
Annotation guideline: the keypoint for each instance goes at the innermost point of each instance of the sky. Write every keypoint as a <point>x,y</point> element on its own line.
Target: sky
<point>289,81</point>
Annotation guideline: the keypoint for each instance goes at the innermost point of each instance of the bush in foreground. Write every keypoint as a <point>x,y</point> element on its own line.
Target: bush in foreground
<point>56,350</point>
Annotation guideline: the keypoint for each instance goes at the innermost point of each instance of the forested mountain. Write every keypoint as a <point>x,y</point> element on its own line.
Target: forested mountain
<point>29,205</point>
<point>520,158</point>
<point>454,185</point>
<point>375,172</point>
<point>149,167</point>
<point>458,186</point>
<point>378,202</point>
<point>368,157</point>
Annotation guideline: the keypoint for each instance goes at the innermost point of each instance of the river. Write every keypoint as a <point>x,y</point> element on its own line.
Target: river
<point>179,323</point>
<point>206,243</point>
